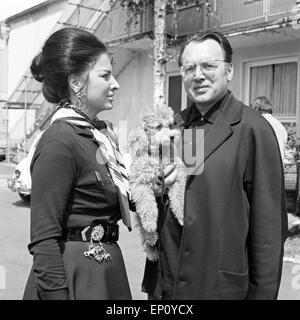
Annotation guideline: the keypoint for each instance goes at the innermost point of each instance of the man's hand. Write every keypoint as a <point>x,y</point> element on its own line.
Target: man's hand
<point>170,173</point>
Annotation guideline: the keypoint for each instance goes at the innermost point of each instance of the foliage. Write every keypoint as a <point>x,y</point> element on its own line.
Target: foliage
<point>290,152</point>
<point>136,7</point>
<point>139,5</point>
<point>292,244</point>
<point>292,248</point>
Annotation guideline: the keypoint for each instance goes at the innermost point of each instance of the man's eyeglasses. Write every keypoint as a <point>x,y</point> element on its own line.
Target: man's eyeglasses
<point>207,67</point>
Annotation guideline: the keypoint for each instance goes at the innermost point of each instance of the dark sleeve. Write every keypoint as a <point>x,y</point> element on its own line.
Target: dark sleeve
<point>264,185</point>
<point>132,206</point>
<point>52,183</point>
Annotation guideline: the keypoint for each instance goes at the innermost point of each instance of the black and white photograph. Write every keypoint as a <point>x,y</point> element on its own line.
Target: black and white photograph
<point>150,151</point>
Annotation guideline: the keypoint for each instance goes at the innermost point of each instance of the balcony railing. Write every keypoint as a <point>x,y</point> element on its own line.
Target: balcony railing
<point>225,14</point>
<point>190,20</point>
<point>276,7</point>
<point>115,26</point>
<point>235,12</point>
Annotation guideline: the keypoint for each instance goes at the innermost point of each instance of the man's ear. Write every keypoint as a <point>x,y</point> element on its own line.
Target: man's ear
<point>229,71</point>
<point>75,83</point>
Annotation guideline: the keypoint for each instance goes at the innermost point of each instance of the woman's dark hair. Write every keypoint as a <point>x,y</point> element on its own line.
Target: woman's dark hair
<point>67,51</point>
<point>212,35</point>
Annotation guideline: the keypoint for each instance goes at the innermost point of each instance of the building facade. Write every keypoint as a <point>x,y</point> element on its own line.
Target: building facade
<point>22,36</point>
<point>264,34</point>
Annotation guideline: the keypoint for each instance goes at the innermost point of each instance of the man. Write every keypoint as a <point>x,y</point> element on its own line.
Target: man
<point>235,222</point>
<point>264,107</point>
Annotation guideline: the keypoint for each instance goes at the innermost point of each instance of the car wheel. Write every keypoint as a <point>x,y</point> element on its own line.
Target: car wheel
<point>24,197</point>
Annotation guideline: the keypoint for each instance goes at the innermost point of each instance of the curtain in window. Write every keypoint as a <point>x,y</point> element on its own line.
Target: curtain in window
<point>261,82</point>
<point>278,82</point>
<point>285,89</point>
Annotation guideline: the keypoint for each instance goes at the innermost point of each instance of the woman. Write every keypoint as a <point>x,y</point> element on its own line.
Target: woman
<point>79,187</point>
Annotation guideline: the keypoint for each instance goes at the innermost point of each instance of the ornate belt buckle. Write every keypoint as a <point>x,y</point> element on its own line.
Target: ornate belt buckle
<point>97,233</point>
<point>96,250</point>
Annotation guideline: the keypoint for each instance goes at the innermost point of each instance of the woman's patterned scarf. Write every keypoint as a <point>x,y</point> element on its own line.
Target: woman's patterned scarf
<point>109,151</point>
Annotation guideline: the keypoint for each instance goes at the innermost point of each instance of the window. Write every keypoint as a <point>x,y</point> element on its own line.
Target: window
<point>175,93</point>
<point>278,82</point>
<point>177,98</point>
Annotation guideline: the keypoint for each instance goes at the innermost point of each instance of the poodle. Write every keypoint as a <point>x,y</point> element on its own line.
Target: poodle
<point>153,145</point>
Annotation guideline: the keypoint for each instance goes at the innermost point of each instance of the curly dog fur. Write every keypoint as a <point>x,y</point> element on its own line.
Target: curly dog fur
<point>152,146</point>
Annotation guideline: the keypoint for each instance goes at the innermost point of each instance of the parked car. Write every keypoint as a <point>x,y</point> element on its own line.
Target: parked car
<point>2,154</point>
<point>2,150</point>
<point>21,179</point>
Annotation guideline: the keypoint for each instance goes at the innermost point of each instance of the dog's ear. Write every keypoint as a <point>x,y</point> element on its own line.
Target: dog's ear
<point>138,142</point>
<point>177,133</point>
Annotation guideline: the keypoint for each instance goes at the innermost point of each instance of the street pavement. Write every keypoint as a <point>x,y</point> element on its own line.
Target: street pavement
<point>15,261</point>
<point>290,284</point>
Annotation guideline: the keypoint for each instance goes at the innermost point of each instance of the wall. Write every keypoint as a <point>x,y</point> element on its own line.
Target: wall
<point>16,125</point>
<point>4,33</point>
<point>136,91</point>
<point>268,51</point>
<point>28,32</point>
<point>27,35</point>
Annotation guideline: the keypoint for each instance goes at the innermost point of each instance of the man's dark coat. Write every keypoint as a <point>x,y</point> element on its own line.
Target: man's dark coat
<point>235,216</point>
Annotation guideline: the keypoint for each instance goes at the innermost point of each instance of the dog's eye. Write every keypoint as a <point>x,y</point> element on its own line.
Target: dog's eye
<point>154,126</point>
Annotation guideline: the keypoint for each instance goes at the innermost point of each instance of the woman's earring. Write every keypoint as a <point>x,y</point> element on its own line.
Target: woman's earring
<point>80,99</point>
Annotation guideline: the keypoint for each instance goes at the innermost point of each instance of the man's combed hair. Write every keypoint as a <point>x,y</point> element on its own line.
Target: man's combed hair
<point>210,35</point>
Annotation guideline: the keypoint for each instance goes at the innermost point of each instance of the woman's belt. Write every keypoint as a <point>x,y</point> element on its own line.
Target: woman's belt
<point>103,232</point>
<point>96,234</point>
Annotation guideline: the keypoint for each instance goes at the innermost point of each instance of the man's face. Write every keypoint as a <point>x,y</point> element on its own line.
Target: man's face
<point>209,81</point>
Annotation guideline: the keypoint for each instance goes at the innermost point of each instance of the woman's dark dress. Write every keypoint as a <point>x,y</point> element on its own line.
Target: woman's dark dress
<point>71,189</point>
